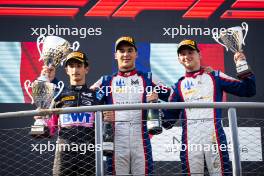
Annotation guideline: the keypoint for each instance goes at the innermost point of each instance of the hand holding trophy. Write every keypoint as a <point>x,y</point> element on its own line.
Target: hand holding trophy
<point>44,93</point>
<point>233,39</point>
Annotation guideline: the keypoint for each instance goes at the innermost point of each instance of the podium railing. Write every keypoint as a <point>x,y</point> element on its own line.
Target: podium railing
<point>231,106</point>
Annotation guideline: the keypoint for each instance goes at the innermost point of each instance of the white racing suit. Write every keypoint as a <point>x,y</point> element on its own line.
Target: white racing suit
<point>132,148</point>
<point>203,137</point>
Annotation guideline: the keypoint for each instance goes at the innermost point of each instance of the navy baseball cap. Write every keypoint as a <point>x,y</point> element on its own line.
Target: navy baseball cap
<point>125,39</point>
<point>77,55</point>
<point>191,44</point>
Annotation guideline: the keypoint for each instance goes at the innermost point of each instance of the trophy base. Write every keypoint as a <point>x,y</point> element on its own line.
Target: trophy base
<point>243,71</point>
<point>39,131</point>
<point>108,148</point>
<point>155,130</point>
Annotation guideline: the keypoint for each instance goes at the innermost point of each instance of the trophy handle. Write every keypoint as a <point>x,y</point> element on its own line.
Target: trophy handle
<point>40,40</point>
<point>75,46</point>
<point>245,27</point>
<point>216,38</point>
<point>60,86</point>
<point>28,84</point>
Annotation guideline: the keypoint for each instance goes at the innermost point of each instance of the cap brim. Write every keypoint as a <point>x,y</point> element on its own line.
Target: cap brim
<point>122,42</point>
<point>74,59</point>
<point>186,47</point>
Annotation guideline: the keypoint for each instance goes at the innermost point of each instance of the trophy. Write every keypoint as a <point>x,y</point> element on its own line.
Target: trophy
<point>154,121</point>
<point>54,50</point>
<point>233,39</point>
<point>43,95</point>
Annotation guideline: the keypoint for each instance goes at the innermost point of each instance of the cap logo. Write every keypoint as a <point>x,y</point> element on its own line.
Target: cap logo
<point>188,42</point>
<point>128,39</point>
<point>75,54</point>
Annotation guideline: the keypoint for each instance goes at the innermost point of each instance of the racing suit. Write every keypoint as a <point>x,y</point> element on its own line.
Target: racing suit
<point>55,81</point>
<point>203,127</point>
<point>132,148</point>
<point>76,130</point>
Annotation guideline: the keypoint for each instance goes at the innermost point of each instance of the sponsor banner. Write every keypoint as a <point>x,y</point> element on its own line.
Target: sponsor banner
<point>167,145</point>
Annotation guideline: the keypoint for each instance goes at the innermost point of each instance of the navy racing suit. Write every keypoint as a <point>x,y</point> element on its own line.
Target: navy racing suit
<point>75,151</point>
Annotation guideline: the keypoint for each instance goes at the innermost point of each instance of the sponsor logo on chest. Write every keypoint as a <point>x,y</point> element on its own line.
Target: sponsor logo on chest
<point>83,117</point>
<point>198,89</point>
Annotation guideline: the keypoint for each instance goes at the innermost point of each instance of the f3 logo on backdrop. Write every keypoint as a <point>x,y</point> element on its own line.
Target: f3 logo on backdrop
<point>195,9</point>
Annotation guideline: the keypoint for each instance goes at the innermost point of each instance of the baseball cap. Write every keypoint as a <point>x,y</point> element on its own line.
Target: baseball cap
<point>187,44</point>
<point>125,39</point>
<point>77,55</point>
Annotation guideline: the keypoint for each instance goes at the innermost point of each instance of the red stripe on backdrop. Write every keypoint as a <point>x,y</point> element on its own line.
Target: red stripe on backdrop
<point>213,56</point>
<point>30,66</point>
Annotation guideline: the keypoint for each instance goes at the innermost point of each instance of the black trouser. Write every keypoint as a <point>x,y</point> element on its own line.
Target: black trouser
<point>74,157</point>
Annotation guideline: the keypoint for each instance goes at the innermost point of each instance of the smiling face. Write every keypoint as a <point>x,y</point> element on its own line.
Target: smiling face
<point>77,72</point>
<point>126,56</point>
<point>190,59</point>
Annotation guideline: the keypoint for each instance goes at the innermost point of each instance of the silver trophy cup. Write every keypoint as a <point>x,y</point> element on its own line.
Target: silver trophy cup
<point>233,39</point>
<point>42,94</point>
<point>54,50</point>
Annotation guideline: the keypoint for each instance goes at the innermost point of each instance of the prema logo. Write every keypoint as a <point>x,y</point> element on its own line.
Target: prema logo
<point>195,9</point>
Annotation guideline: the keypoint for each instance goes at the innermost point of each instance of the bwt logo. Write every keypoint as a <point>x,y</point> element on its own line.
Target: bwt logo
<point>76,117</point>
<point>195,9</point>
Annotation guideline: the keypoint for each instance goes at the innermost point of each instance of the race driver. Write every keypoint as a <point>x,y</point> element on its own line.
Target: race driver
<point>75,129</point>
<point>204,126</point>
<point>132,148</point>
